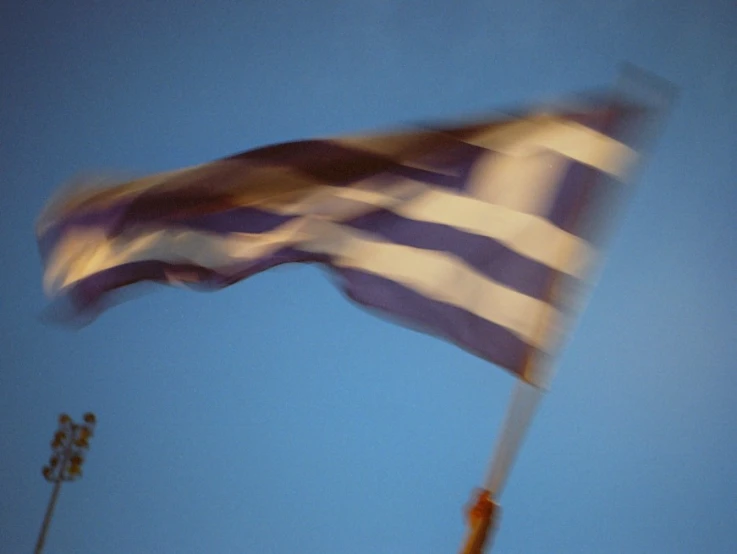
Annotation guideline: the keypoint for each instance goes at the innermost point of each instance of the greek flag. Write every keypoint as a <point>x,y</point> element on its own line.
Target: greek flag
<point>479,233</point>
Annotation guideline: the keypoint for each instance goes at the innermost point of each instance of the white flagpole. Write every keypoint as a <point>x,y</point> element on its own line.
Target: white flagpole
<point>521,411</point>
<point>483,515</point>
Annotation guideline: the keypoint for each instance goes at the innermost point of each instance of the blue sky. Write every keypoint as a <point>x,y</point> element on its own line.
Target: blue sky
<point>275,416</point>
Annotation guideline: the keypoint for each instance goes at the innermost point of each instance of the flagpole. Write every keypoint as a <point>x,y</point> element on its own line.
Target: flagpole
<point>483,516</point>
<point>520,414</point>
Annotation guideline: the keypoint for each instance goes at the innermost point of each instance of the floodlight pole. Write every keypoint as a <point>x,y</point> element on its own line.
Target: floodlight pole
<point>69,445</point>
<point>47,517</point>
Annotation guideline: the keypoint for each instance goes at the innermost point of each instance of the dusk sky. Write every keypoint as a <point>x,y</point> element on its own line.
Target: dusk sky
<point>276,416</point>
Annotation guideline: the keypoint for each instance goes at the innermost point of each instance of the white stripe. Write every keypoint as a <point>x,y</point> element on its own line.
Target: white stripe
<point>530,235</point>
<point>84,252</point>
<point>565,137</point>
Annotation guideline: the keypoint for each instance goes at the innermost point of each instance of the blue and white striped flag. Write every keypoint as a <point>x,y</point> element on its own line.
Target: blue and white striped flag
<point>466,232</point>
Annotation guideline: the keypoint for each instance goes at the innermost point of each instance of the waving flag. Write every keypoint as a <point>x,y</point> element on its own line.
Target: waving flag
<point>470,232</point>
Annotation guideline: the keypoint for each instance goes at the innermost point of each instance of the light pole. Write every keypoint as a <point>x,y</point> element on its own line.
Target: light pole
<point>69,445</point>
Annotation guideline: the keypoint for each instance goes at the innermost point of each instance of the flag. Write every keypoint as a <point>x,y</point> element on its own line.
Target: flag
<point>476,233</point>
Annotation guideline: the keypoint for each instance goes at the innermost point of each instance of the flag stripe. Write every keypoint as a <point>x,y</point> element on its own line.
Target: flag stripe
<point>83,252</point>
<point>556,134</point>
<point>236,220</point>
<point>490,257</point>
<point>466,329</point>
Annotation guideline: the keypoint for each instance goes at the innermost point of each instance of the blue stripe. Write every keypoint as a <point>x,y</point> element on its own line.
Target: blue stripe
<point>236,220</point>
<point>469,331</point>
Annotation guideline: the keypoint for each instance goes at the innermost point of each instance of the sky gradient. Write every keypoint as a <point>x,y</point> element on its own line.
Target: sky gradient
<point>275,416</point>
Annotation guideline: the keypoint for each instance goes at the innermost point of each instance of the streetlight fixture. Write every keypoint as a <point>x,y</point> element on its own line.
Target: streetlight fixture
<point>68,449</point>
